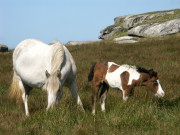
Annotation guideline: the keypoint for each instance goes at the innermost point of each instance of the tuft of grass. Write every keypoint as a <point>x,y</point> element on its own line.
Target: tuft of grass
<point>141,114</point>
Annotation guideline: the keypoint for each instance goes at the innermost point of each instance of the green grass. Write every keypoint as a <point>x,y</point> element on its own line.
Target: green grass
<point>141,114</point>
<point>118,34</point>
<point>163,18</point>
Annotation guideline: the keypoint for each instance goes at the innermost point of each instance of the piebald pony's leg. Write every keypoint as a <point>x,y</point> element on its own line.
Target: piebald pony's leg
<point>125,97</point>
<point>127,93</point>
<point>103,95</point>
<point>97,86</point>
<point>74,92</point>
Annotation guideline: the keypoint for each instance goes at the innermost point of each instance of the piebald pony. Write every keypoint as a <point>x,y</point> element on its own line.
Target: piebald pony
<point>124,77</point>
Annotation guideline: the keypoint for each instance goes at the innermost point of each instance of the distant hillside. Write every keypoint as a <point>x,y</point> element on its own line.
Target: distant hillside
<point>157,23</point>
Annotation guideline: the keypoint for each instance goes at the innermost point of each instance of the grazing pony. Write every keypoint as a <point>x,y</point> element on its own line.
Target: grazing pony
<point>125,77</point>
<point>42,66</point>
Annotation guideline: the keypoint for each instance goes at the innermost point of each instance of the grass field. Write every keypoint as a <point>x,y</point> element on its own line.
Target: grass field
<point>142,114</point>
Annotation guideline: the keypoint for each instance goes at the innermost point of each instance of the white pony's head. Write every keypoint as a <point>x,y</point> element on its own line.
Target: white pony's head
<point>53,81</point>
<point>53,78</point>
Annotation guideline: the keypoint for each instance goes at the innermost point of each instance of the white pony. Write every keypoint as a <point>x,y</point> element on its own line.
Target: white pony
<point>42,66</point>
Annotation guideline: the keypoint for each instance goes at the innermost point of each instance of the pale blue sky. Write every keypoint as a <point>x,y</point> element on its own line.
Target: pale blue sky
<point>67,20</point>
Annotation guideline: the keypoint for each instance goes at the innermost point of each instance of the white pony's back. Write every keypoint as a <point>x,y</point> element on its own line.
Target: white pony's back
<point>32,58</point>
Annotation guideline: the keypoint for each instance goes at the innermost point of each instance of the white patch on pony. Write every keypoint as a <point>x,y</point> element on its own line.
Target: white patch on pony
<point>111,63</point>
<point>133,74</point>
<point>113,78</point>
<point>160,92</point>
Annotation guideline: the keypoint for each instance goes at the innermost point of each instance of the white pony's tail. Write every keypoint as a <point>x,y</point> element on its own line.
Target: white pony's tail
<point>14,90</point>
<point>58,56</point>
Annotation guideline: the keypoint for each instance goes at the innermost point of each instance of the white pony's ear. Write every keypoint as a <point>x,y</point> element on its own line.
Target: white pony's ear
<point>58,74</point>
<point>47,74</point>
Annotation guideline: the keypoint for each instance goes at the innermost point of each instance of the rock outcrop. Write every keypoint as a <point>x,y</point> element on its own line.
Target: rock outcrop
<point>109,31</point>
<point>156,29</point>
<point>124,40</point>
<point>132,20</point>
<point>3,48</point>
<point>79,42</point>
<point>134,25</point>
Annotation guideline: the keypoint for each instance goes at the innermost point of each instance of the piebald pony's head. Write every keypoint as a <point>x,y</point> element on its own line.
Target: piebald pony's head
<point>151,80</point>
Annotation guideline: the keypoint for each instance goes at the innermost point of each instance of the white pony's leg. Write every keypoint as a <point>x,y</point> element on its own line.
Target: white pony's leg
<point>51,99</point>
<point>74,91</point>
<point>59,95</point>
<point>25,94</point>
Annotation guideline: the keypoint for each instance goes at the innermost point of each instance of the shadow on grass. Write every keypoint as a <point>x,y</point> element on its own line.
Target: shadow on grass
<point>170,103</point>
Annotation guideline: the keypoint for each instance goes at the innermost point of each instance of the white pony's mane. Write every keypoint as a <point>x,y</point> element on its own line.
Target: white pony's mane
<point>57,57</point>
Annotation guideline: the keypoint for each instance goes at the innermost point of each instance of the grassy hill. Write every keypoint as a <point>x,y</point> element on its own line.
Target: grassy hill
<point>142,114</point>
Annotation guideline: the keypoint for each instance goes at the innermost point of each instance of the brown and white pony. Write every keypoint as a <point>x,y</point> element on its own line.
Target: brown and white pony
<point>125,77</point>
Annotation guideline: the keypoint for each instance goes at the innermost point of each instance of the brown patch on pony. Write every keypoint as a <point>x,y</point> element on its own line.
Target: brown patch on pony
<point>112,68</point>
<point>142,79</point>
<point>100,71</point>
<point>124,79</point>
<point>128,89</point>
<point>150,84</point>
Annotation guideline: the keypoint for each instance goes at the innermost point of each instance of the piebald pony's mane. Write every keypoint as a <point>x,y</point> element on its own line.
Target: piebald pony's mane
<point>142,70</point>
<point>57,57</point>
<point>136,68</point>
<point>129,66</point>
<point>151,72</point>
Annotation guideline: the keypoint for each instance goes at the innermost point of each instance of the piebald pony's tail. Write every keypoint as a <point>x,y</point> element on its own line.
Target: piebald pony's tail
<point>91,73</point>
<point>14,90</point>
<point>58,56</point>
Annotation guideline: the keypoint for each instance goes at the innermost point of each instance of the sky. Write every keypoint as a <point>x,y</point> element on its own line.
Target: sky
<point>67,20</point>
